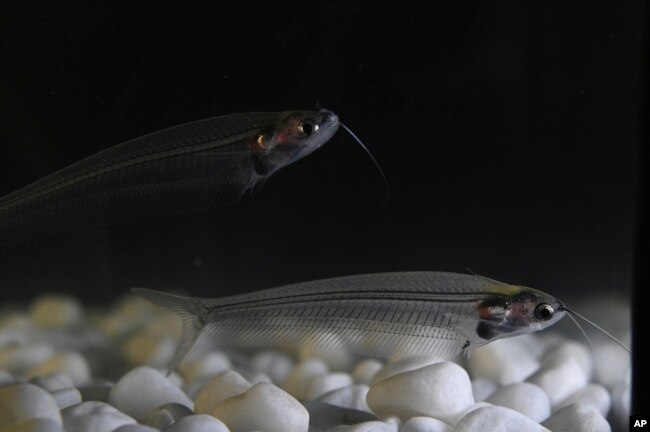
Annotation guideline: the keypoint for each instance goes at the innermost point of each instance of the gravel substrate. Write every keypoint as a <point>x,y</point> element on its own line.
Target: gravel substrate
<point>66,369</point>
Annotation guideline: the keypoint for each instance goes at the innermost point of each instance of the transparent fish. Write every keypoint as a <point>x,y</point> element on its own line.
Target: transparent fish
<point>435,315</point>
<point>199,166</point>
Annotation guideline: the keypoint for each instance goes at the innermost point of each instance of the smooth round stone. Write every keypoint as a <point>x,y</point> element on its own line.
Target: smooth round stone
<point>424,424</point>
<point>560,380</point>
<point>326,383</point>
<point>606,355</point>
<point>219,388</point>
<point>36,425</point>
<point>143,389</point>
<point>441,390</point>
<point>158,418</point>
<point>54,381</point>
<point>66,397</point>
<point>504,361</point>
<point>578,418</point>
<point>365,370</point>
<point>70,362</point>
<point>263,407</point>
<point>56,311</point>
<point>371,426</point>
<point>206,366</point>
<point>12,337</point>
<point>20,359</point>
<point>135,428</point>
<point>349,397</point>
<point>276,365</point>
<point>145,347</point>
<point>6,378</point>
<point>494,418</point>
<point>528,399</point>
<point>297,383</point>
<point>468,410</point>
<point>593,395</point>
<point>482,389</point>
<point>569,349</point>
<point>22,402</point>
<point>198,423</point>
<point>93,416</point>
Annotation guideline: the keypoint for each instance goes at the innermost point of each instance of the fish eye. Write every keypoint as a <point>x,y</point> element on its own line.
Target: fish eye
<point>307,128</point>
<point>544,311</point>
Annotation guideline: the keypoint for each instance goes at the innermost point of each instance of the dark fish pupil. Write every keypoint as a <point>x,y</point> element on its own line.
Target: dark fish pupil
<point>307,128</point>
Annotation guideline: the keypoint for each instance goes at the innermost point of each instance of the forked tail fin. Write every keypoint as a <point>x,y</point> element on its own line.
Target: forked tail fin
<point>189,310</point>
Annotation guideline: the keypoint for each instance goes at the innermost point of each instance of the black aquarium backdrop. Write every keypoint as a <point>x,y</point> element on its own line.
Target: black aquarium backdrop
<point>509,133</point>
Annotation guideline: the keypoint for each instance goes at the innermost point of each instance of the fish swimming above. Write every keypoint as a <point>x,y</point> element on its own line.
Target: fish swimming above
<point>199,166</point>
<point>400,316</point>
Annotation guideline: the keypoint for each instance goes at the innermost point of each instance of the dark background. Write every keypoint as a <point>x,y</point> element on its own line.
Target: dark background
<point>509,133</point>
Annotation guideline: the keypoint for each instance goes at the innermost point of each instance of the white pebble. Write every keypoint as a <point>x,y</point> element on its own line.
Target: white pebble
<point>56,311</point>
<point>371,426</point>
<point>578,418</point>
<point>19,359</point>
<point>198,423</point>
<point>70,362</point>
<point>297,382</point>
<point>528,399</point>
<point>326,383</point>
<point>569,350</point>
<point>93,416</point>
<point>607,354</point>
<point>560,380</point>
<point>425,424</point>
<point>276,365</point>
<point>145,347</point>
<point>441,390</point>
<point>365,370</point>
<point>499,419</point>
<point>22,402</point>
<point>135,428</point>
<point>468,410</point>
<point>54,381</point>
<point>594,395</point>
<point>504,361</point>
<point>482,388</point>
<point>143,389</point>
<point>206,366</point>
<point>219,388</point>
<point>66,397</point>
<point>36,425</point>
<point>349,397</point>
<point>263,407</point>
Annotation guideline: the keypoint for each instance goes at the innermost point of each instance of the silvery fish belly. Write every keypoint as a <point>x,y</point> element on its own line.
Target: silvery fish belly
<point>435,315</point>
<point>200,166</point>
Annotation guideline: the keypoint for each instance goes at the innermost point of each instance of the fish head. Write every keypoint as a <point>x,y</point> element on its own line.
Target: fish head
<point>294,136</point>
<point>521,310</point>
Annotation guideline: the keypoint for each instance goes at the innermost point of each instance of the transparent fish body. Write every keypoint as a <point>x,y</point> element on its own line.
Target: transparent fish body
<point>435,315</point>
<point>199,166</point>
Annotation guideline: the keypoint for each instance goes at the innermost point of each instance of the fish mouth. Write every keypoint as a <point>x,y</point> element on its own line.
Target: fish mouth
<point>329,118</point>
